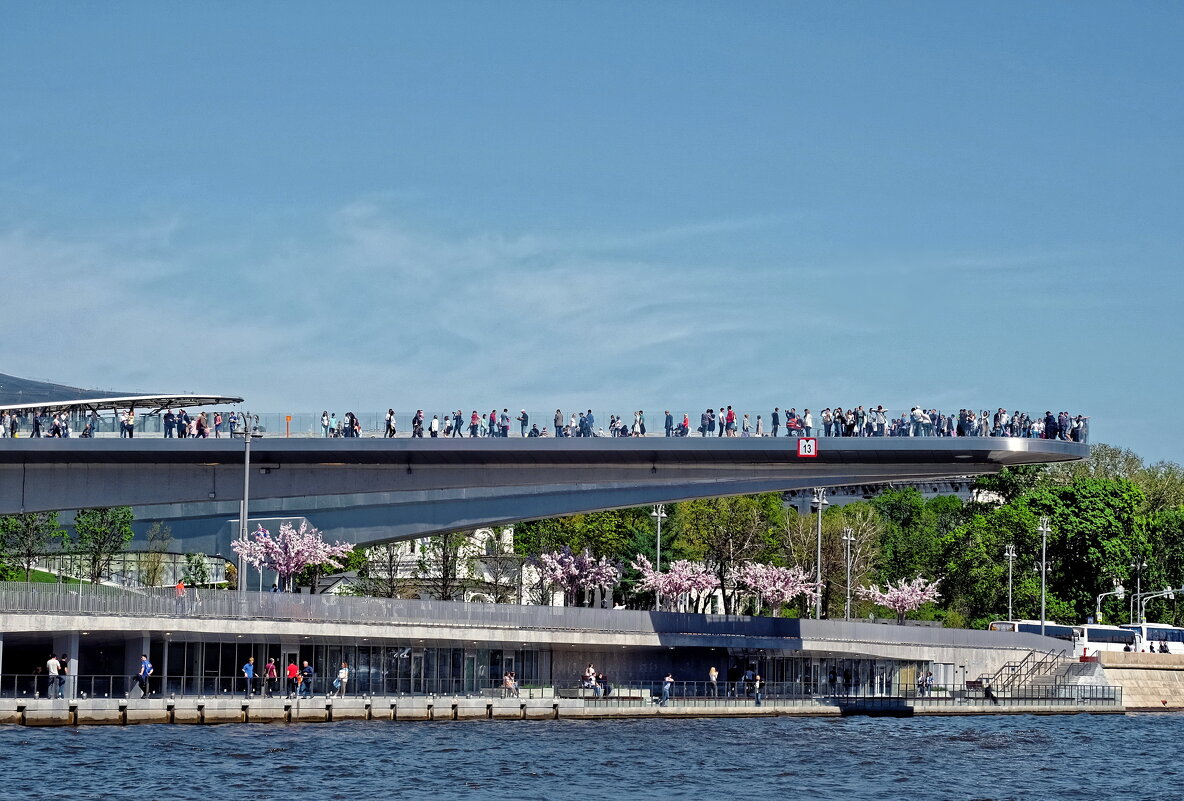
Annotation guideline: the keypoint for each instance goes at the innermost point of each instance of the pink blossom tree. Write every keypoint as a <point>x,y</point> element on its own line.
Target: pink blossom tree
<point>576,572</point>
<point>903,597</point>
<point>776,585</point>
<point>289,552</point>
<point>680,580</point>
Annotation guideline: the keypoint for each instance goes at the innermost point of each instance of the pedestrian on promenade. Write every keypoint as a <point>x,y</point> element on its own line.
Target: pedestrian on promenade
<point>143,674</point>
<point>713,682</point>
<point>63,671</point>
<point>217,425</point>
<point>667,687</point>
<point>249,675</point>
<point>307,679</point>
<point>342,679</point>
<point>180,602</point>
<point>170,423</point>
<point>292,673</point>
<point>390,423</point>
<point>232,421</point>
<point>757,686</point>
<point>55,681</point>
<point>523,421</point>
<point>270,677</point>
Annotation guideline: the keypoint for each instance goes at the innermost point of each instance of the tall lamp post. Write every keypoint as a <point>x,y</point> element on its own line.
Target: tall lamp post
<point>1118,592</point>
<point>658,514</point>
<point>1009,554</point>
<point>1137,567</point>
<point>1044,530</point>
<point>848,540</point>
<point>820,503</point>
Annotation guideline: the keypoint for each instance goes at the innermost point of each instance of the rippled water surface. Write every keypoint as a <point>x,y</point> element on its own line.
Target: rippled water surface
<point>1023,757</point>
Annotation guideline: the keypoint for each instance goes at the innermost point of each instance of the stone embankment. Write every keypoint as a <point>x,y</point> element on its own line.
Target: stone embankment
<point>1148,681</point>
<point>94,711</point>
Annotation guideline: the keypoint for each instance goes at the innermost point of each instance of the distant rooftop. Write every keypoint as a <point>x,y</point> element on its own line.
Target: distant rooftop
<point>14,390</point>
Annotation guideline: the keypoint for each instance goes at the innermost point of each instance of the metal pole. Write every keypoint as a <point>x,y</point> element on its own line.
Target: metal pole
<point>658,513</point>
<point>658,555</point>
<point>848,538</point>
<point>242,518</point>
<point>1044,529</point>
<point>1010,552</point>
<point>820,501</point>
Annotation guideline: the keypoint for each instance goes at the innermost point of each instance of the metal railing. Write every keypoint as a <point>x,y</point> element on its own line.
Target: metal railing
<point>1014,674</point>
<point>619,694</point>
<point>799,694</point>
<point>90,599</point>
<point>360,684</point>
<point>373,424</point>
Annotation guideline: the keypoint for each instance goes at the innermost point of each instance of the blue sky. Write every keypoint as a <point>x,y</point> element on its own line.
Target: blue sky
<point>615,205</point>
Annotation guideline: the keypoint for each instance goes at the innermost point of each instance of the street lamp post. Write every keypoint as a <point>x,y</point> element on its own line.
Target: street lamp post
<point>848,539</point>
<point>1118,592</point>
<point>1009,553</point>
<point>658,514</point>
<point>820,503</point>
<point>1044,530</point>
<point>1138,566</point>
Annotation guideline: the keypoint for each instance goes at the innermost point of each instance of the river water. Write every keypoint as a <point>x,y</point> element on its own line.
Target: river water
<point>1001,757</point>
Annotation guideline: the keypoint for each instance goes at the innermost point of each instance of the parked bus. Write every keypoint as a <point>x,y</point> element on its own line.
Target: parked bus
<point>1159,636</point>
<point>1096,637</point>
<point>1051,629</point>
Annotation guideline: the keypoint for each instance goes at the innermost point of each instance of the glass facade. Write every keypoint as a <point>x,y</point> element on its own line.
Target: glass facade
<point>214,668</point>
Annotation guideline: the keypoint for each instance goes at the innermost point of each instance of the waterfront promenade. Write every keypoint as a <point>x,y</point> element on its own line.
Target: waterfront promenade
<point>431,660</point>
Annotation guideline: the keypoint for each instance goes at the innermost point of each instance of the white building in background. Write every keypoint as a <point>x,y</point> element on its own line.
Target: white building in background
<point>483,569</point>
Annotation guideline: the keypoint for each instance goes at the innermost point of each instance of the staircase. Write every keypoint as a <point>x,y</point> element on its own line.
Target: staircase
<point>1033,667</point>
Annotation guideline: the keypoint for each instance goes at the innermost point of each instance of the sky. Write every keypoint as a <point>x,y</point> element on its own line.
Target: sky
<point>610,205</point>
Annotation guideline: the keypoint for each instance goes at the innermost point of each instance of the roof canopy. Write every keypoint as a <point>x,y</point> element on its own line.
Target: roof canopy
<point>152,402</point>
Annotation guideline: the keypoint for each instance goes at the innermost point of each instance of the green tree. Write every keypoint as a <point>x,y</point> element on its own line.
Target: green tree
<point>727,531</point>
<point>446,564</point>
<point>152,561</point>
<point>196,572</point>
<point>99,535</point>
<point>911,544</point>
<point>27,537</point>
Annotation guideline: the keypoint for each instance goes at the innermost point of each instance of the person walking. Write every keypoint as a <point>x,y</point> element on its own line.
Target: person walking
<point>713,682</point>
<point>249,675</point>
<point>142,675</point>
<point>55,680</point>
<point>308,677</point>
<point>270,678</point>
<point>776,419</point>
<point>390,423</point>
<point>667,687</point>
<point>669,423</point>
<point>292,673</point>
<point>342,679</point>
<point>757,686</point>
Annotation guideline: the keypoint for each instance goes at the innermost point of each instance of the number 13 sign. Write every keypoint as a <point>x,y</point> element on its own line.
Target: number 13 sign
<point>807,447</point>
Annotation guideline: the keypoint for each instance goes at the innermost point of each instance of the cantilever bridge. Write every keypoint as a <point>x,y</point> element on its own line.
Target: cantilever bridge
<point>399,488</point>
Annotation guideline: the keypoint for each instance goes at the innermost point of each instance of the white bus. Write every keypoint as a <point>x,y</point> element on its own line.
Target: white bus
<point>1158,636</point>
<point>1096,637</point>
<point>1051,629</point>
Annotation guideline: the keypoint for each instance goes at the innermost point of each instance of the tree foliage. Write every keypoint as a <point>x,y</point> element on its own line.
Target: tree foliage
<point>99,535</point>
<point>27,537</point>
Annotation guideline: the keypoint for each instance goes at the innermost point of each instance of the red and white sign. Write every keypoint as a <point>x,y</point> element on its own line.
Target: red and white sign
<point>807,447</point>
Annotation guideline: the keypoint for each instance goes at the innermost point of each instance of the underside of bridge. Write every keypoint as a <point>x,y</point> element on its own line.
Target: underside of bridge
<point>375,490</point>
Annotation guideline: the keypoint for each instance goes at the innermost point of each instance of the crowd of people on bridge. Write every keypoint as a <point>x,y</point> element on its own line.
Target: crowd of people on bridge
<point>724,421</point>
